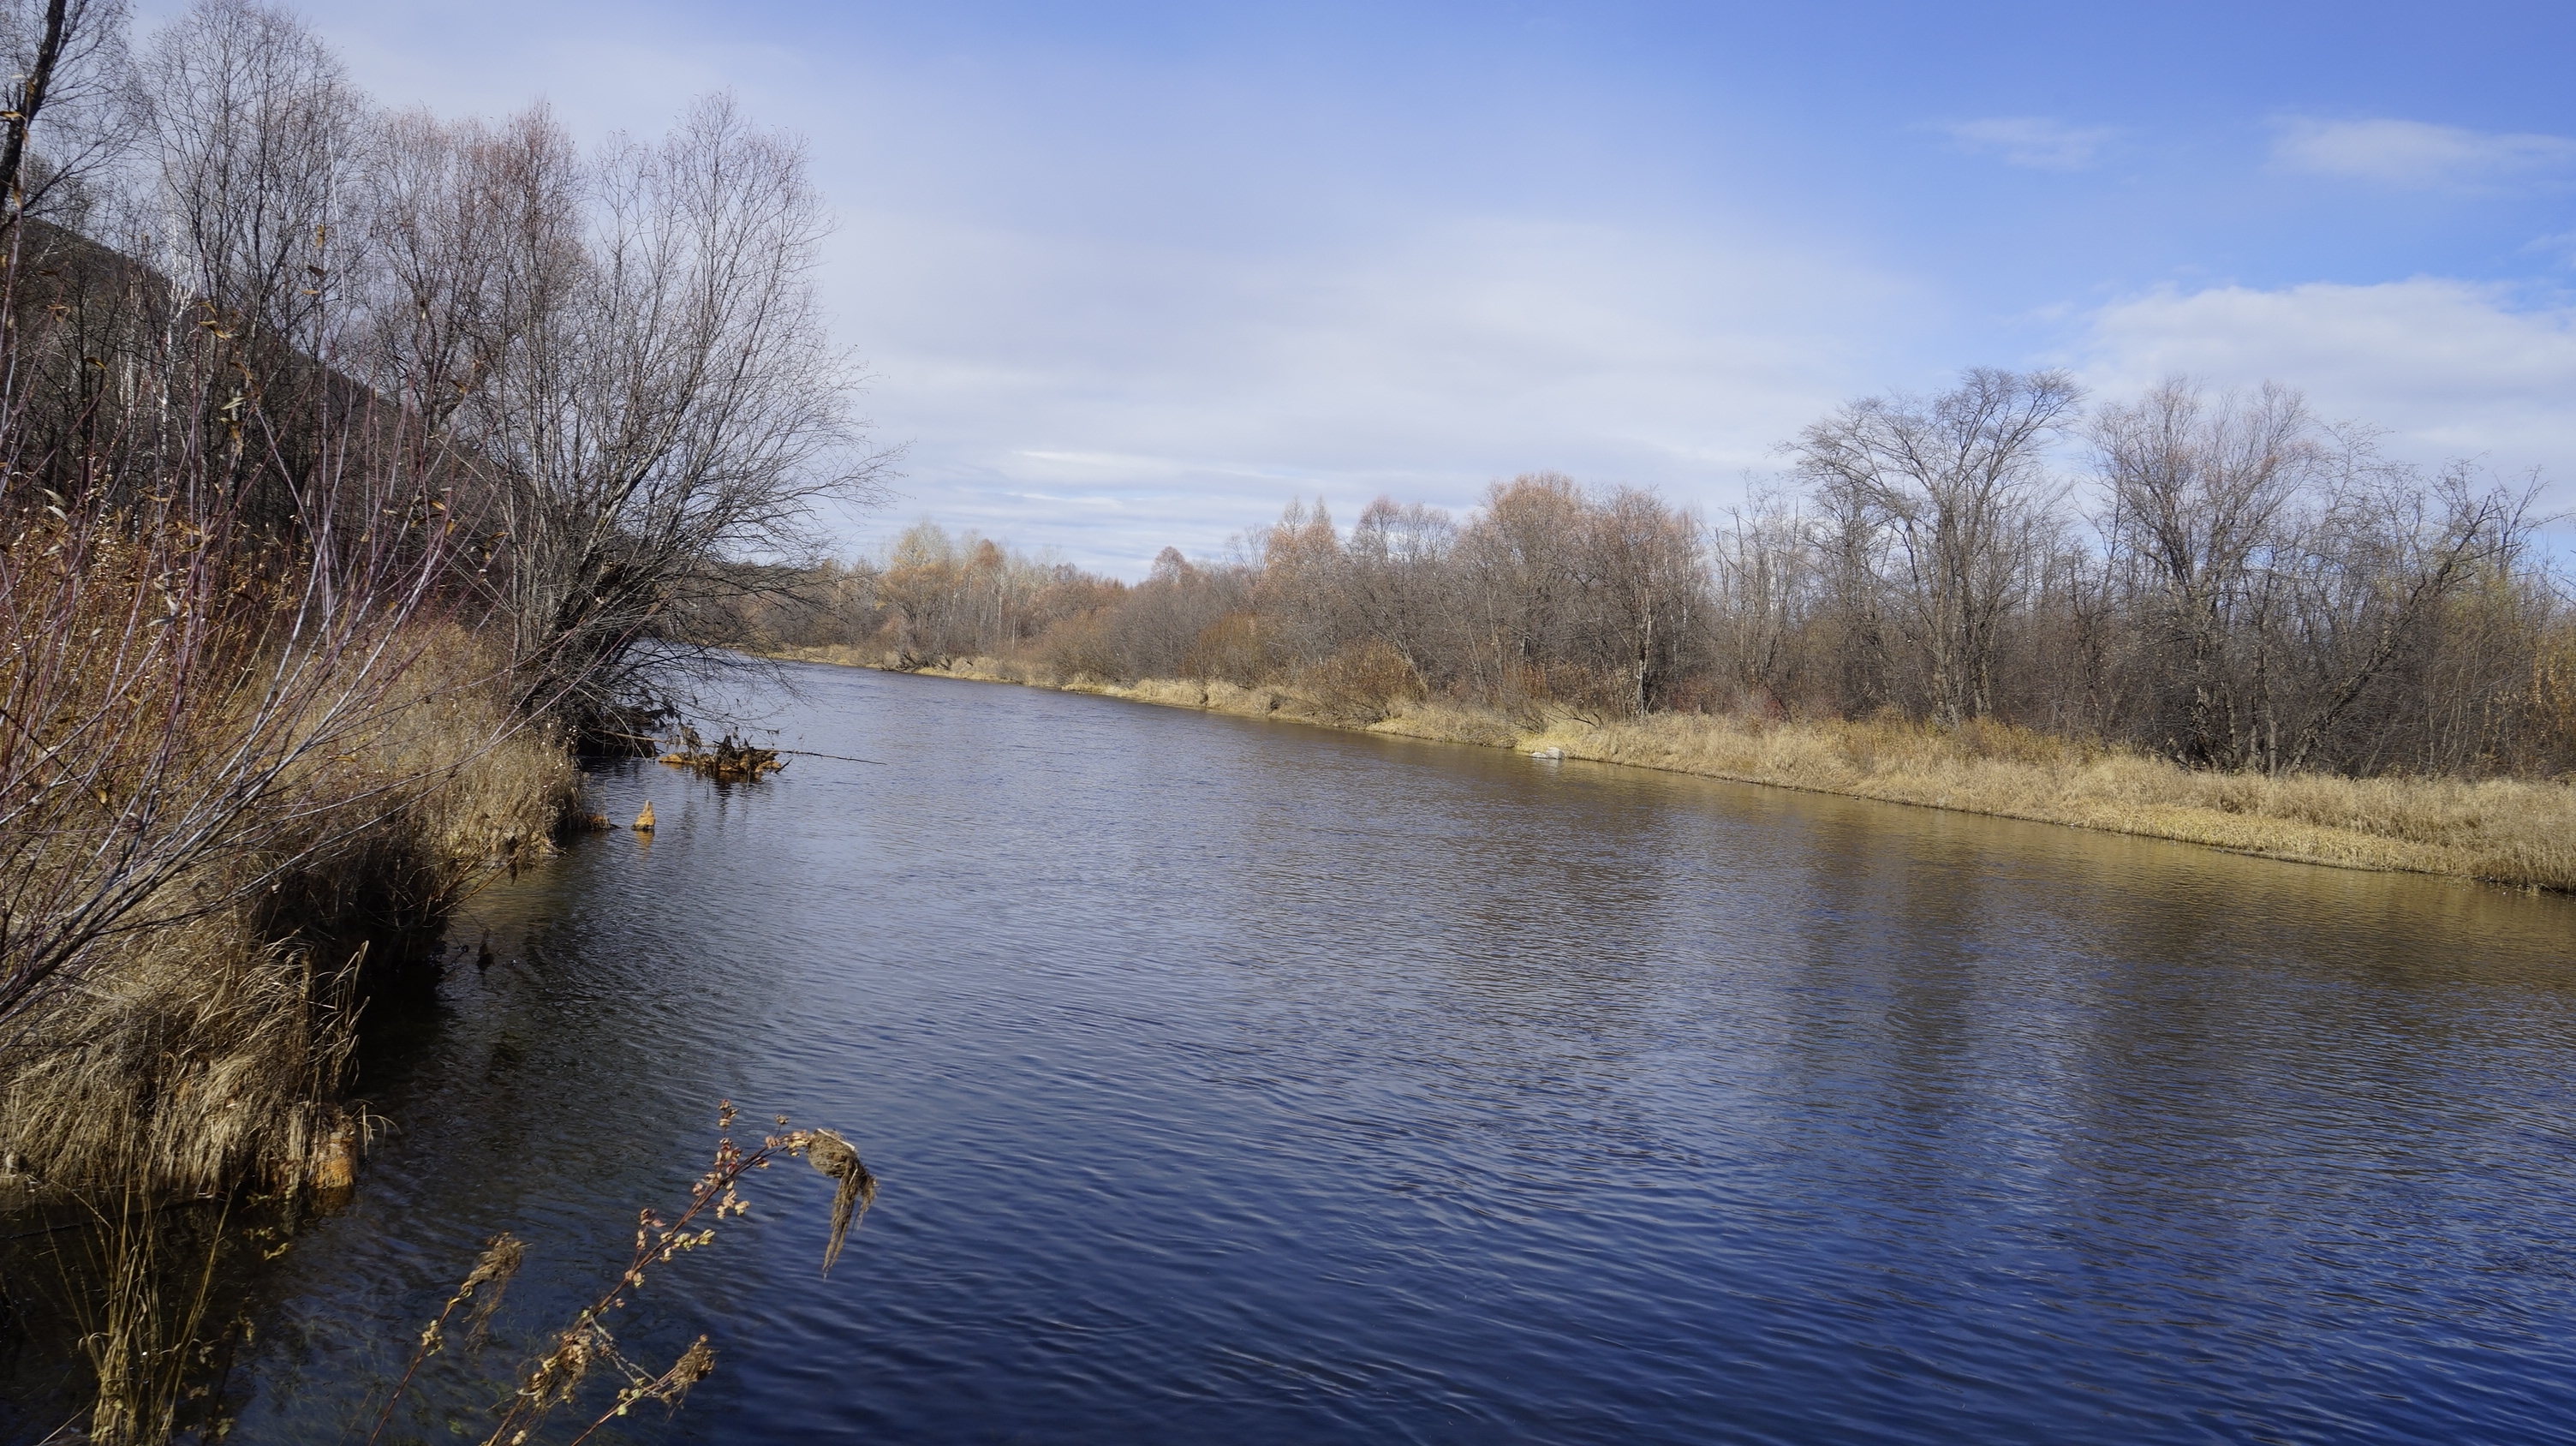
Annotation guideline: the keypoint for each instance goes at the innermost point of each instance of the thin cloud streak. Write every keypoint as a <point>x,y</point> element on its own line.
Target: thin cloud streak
<point>2417,154</point>
<point>2031,142</point>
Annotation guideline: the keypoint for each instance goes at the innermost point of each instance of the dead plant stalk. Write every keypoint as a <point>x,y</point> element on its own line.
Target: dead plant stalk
<point>554,1378</point>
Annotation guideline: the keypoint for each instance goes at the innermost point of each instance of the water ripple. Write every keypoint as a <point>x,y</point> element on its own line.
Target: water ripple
<point>1247,1083</point>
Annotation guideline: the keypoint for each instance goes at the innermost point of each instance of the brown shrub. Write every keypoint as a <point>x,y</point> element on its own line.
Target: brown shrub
<point>1237,648</point>
<point>209,1050</point>
<point>1362,683</point>
<point>1082,647</point>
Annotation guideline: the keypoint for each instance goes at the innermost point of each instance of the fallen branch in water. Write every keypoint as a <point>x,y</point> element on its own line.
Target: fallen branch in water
<point>838,757</point>
<point>712,763</point>
<point>730,761</point>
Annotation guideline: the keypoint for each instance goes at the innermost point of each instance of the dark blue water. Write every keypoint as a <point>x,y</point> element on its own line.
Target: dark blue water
<point>1241,1083</point>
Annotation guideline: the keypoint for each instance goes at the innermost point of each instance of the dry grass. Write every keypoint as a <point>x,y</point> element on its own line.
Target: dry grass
<point>210,1053</point>
<point>195,1060</point>
<point>500,791</point>
<point>206,1048</point>
<point>2506,831</point>
<point>2501,830</point>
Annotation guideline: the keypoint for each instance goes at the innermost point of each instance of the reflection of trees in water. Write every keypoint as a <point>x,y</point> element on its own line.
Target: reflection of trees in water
<point>2137,1061</point>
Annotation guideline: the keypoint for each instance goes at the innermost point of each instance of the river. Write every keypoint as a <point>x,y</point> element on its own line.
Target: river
<point>1245,1083</point>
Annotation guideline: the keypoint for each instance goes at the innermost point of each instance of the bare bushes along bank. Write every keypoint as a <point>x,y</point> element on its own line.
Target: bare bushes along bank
<point>2509,831</point>
<point>355,466</point>
<point>2193,615</point>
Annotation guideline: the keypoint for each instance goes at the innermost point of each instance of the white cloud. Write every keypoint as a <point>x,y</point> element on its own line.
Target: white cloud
<point>2413,153</point>
<point>2561,247</point>
<point>1101,332</point>
<point>2034,142</point>
<point>2454,368</point>
<point>1109,397</point>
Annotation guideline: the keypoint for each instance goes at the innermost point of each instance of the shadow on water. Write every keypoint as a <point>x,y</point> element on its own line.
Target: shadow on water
<point>1238,1080</point>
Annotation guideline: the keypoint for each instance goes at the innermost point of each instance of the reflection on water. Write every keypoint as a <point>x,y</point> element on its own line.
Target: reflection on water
<point>1244,1082</point>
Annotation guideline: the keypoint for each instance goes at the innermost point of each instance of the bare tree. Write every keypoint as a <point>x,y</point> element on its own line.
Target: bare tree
<point>1645,594</point>
<point>2379,568</point>
<point>256,133</point>
<point>1173,624</point>
<point>2202,497</point>
<point>250,136</point>
<point>2284,577</point>
<point>69,70</point>
<point>1959,483</point>
<point>1764,566</point>
<point>654,398</point>
<point>479,232</point>
<point>1303,586</point>
<point>1400,584</point>
<point>1517,569</point>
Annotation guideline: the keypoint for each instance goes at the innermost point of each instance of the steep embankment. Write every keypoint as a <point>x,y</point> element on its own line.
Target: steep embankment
<point>2499,830</point>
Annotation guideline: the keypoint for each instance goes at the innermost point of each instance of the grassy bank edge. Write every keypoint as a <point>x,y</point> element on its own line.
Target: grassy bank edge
<point>211,1053</point>
<point>2511,832</point>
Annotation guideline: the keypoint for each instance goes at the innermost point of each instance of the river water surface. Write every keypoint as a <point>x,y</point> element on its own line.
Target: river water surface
<point>1245,1083</point>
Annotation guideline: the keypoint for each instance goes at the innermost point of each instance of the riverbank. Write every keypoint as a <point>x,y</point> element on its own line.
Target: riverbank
<point>1184,1024</point>
<point>194,1048</point>
<point>205,1047</point>
<point>2504,831</point>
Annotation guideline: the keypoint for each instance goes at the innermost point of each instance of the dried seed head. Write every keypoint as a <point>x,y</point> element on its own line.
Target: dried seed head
<point>500,1261</point>
<point>491,1279</point>
<point>695,1365</point>
<point>559,1374</point>
<point>837,1158</point>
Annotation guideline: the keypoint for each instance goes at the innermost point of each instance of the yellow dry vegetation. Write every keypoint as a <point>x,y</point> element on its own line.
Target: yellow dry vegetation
<point>209,1051</point>
<point>2503,830</point>
<point>2507,831</point>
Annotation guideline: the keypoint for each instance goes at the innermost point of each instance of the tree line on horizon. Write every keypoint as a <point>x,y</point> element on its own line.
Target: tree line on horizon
<point>2227,581</point>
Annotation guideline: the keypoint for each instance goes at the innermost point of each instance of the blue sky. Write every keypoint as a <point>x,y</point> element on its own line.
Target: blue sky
<point>1137,274</point>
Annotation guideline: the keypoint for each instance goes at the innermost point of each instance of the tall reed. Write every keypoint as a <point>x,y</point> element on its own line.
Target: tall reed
<point>243,727</point>
<point>586,1345</point>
